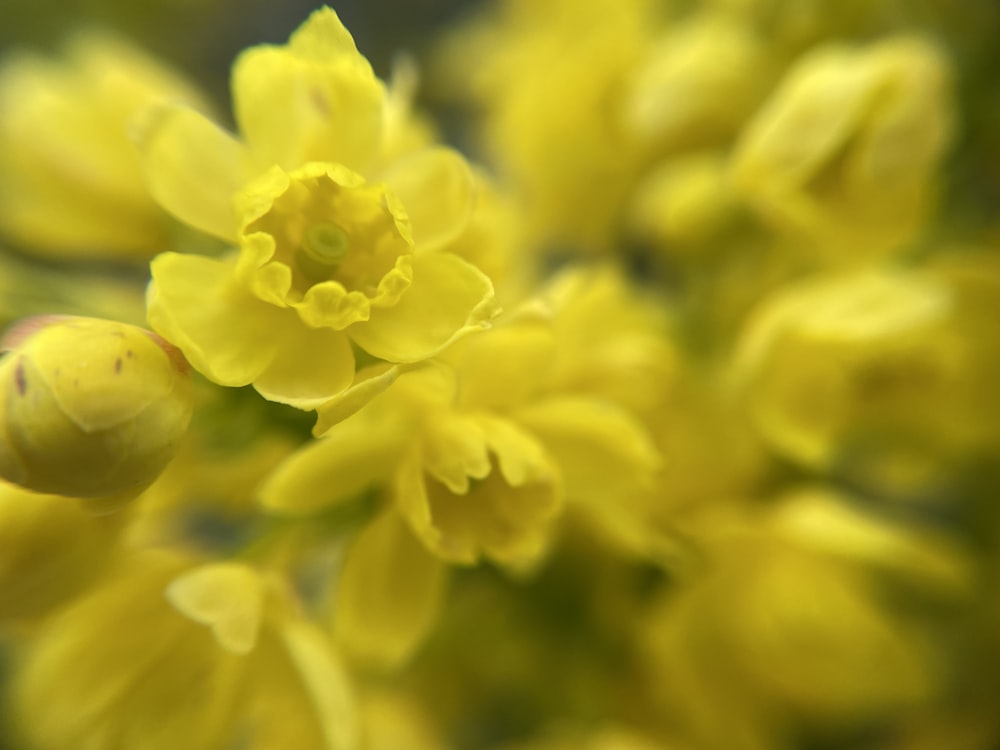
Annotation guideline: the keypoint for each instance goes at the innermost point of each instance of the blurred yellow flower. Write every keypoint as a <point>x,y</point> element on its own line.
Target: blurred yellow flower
<point>846,152</point>
<point>694,84</point>
<point>550,79</point>
<point>788,629</point>
<point>685,203</point>
<point>877,372</point>
<point>475,453</point>
<point>167,654</point>
<point>71,183</point>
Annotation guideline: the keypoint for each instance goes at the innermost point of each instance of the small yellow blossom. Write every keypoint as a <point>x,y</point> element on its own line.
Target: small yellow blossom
<point>685,204</point>
<point>846,151</point>
<point>878,372</point>
<point>340,235</point>
<point>491,415</point>
<point>92,408</point>
<point>695,84</point>
<point>475,454</point>
<point>168,654</point>
<point>71,183</point>
<point>787,629</point>
<point>135,661</point>
<point>471,483</point>
<point>550,79</point>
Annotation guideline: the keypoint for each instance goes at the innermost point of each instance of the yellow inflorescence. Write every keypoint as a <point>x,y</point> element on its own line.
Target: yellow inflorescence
<point>672,424</point>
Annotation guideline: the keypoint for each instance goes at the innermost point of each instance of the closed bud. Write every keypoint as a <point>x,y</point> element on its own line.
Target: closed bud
<point>89,408</point>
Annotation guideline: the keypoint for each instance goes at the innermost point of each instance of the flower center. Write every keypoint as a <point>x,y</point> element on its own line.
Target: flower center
<point>324,246</point>
<point>326,224</point>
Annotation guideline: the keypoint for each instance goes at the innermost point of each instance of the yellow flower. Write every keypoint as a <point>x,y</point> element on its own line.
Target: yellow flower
<point>695,84</point>
<point>885,374</point>
<point>70,180</point>
<point>470,481</point>
<point>340,234</point>
<point>92,408</point>
<point>550,78</point>
<point>684,204</point>
<point>788,628</point>
<point>845,152</point>
<point>505,417</point>
<point>135,662</point>
<point>474,454</point>
<point>297,693</point>
<point>166,654</point>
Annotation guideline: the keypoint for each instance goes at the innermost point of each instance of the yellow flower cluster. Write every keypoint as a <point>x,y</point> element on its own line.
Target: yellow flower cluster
<point>671,424</point>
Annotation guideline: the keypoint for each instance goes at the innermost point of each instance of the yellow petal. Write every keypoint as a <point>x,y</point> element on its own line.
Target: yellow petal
<point>356,454</point>
<point>507,365</point>
<point>520,457</point>
<point>369,382</point>
<point>193,168</point>
<point>495,517</point>
<point>310,366</point>
<point>820,519</point>
<point>437,189</point>
<point>448,299</point>
<point>316,99</point>
<point>807,119</point>
<point>271,283</point>
<point>329,305</point>
<point>325,682</point>
<point>227,597</point>
<point>604,454</point>
<point>455,450</point>
<point>228,335</point>
<point>116,636</point>
<point>389,593</point>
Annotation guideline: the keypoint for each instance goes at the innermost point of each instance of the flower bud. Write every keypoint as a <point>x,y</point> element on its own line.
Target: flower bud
<point>90,408</point>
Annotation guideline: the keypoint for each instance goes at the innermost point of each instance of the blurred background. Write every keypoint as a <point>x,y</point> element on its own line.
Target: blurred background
<point>202,37</point>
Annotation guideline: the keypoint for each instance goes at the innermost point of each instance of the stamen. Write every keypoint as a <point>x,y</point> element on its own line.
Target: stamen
<point>326,243</point>
<point>324,246</point>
